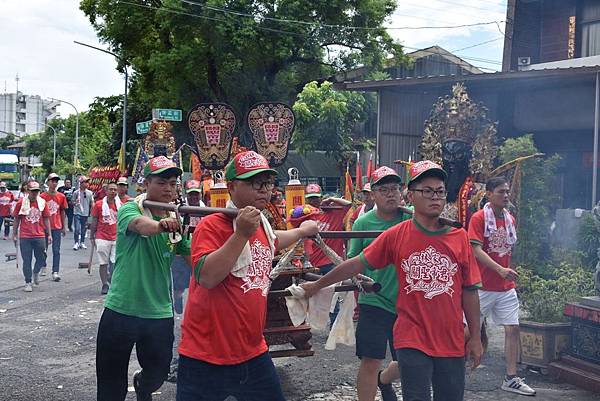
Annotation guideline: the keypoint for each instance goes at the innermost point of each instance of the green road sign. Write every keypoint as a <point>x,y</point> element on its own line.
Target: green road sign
<point>166,114</point>
<point>143,128</point>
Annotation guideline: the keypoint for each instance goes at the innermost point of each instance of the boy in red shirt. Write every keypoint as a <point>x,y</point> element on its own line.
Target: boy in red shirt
<point>32,226</point>
<point>6,200</point>
<point>103,232</point>
<point>437,282</point>
<point>222,353</point>
<point>492,232</point>
<point>56,204</point>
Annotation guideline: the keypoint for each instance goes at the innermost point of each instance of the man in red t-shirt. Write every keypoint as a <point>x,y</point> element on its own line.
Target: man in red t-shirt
<point>492,232</point>
<point>122,187</point>
<point>328,220</point>
<point>103,232</point>
<point>6,200</point>
<point>368,204</point>
<point>57,205</point>
<point>438,278</point>
<point>222,352</point>
<point>32,226</point>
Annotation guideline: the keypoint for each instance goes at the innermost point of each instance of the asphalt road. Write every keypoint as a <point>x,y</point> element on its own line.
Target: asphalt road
<point>47,347</point>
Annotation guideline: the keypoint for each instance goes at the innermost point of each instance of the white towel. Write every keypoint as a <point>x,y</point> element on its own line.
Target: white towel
<point>314,311</point>
<point>146,212</point>
<point>342,331</point>
<point>240,267</point>
<point>490,224</point>
<point>26,205</point>
<point>106,207</point>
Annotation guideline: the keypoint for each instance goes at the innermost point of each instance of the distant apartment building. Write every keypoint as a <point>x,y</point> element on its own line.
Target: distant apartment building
<point>24,114</point>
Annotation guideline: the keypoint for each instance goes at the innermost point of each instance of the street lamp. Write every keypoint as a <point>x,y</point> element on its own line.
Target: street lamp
<point>54,144</point>
<point>76,158</point>
<point>119,59</point>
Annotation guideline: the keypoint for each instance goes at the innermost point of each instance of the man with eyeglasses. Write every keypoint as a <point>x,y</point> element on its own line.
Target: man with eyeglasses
<point>374,331</point>
<point>492,232</point>
<point>83,202</point>
<point>223,353</point>
<point>438,280</point>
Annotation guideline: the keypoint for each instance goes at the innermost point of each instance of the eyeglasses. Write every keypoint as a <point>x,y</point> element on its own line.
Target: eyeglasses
<point>267,185</point>
<point>387,190</point>
<point>428,193</point>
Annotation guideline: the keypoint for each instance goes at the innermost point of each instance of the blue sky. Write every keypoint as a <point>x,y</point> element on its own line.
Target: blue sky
<point>37,43</point>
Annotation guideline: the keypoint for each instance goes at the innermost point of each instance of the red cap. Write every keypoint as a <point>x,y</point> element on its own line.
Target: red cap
<point>83,178</point>
<point>382,172</point>
<point>424,166</point>
<point>122,181</point>
<point>312,191</point>
<point>53,176</point>
<point>160,164</point>
<point>2,184</point>
<point>245,165</point>
<point>193,186</point>
<point>33,186</point>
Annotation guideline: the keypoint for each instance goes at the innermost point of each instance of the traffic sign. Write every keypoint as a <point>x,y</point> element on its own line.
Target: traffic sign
<point>143,127</point>
<point>166,114</point>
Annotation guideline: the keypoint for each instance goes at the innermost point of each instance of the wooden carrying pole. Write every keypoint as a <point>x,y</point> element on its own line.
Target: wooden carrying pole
<point>205,211</point>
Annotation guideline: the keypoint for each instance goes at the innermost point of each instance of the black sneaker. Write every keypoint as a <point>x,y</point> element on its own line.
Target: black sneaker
<point>136,386</point>
<point>104,290</point>
<point>387,390</point>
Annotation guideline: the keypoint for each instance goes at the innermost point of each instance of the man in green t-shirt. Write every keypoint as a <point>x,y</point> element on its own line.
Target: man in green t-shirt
<point>378,310</point>
<point>139,309</point>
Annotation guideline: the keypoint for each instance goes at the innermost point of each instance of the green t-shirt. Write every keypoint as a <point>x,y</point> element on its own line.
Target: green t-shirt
<point>141,281</point>
<point>387,277</point>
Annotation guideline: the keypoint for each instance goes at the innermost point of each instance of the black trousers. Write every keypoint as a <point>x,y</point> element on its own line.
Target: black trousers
<point>117,334</point>
<point>419,372</point>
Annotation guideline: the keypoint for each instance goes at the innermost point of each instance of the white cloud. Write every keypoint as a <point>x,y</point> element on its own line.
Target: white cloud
<point>37,43</point>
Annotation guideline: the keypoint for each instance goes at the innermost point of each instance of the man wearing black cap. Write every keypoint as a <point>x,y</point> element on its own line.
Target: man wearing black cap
<point>438,278</point>
<point>138,308</point>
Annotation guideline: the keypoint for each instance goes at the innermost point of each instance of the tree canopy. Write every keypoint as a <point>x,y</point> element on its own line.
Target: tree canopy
<point>188,51</point>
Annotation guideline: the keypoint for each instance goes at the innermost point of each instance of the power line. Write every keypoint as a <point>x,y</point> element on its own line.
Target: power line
<point>477,44</point>
<point>227,11</point>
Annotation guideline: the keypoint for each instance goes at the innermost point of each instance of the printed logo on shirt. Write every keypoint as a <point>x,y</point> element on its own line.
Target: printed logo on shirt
<point>4,200</point>
<point>34,216</point>
<point>323,225</point>
<point>430,272</point>
<point>498,242</point>
<point>111,218</point>
<point>52,207</point>
<point>257,277</point>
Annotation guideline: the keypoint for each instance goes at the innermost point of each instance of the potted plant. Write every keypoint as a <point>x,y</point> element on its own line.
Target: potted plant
<point>545,331</point>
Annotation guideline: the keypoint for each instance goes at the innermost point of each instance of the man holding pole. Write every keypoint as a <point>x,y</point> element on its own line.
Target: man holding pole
<point>374,330</point>
<point>223,353</point>
<point>138,308</point>
<point>438,279</point>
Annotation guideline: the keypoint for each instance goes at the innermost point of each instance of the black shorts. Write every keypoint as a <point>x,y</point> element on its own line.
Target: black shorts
<point>374,332</point>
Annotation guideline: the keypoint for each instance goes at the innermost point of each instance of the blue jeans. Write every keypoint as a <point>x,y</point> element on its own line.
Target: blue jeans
<point>253,380</point>
<point>6,226</point>
<point>56,239</point>
<point>80,228</point>
<point>29,248</point>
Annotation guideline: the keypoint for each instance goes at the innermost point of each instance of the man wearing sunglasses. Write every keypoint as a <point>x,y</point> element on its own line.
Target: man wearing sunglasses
<point>438,278</point>
<point>223,353</point>
<point>374,331</point>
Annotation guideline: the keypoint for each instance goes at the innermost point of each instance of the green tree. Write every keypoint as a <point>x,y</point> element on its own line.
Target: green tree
<point>325,119</point>
<point>538,202</point>
<point>242,52</point>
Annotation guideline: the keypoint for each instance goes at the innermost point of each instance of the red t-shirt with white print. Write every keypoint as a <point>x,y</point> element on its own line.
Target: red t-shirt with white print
<point>496,246</point>
<point>106,226</point>
<point>55,204</point>
<point>328,220</point>
<point>224,325</point>
<point>32,225</point>
<point>6,200</point>
<point>433,268</point>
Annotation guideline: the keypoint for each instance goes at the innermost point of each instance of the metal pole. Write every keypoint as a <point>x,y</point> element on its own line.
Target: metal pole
<point>596,127</point>
<point>124,138</point>
<point>76,156</point>
<point>378,133</point>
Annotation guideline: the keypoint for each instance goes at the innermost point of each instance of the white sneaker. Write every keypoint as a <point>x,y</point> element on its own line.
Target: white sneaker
<point>55,276</point>
<point>43,271</point>
<point>82,246</point>
<point>27,287</point>
<point>76,246</point>
<point>517,385</point>
<point>36,279</point>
